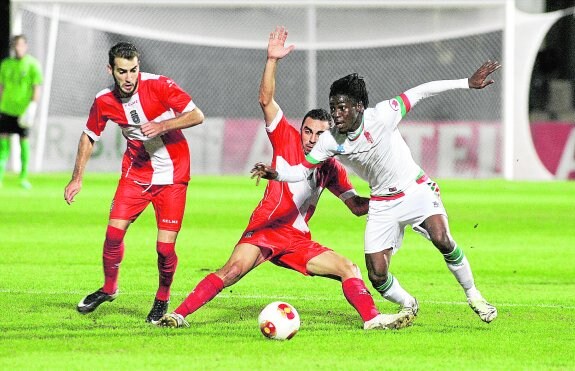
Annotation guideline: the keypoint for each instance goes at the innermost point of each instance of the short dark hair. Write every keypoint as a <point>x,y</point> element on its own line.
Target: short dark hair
<point>123,50</point>
<point>351,85</point>
<point>15,39</point>
<point>317,114</point>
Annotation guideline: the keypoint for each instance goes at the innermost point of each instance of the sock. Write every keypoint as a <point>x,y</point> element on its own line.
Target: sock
<point>4,154</point>
<point>205,291</point>
<point>24,157</point>
<point>167,262</point>
<point>359,297</point>
<point>459,266</point>
<point>112,257</point>
<point>391,290</point>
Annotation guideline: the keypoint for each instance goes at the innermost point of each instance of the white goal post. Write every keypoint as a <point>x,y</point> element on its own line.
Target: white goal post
<point>216,51</point>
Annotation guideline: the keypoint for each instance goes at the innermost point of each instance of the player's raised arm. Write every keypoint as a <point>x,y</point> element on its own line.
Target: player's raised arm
<point>85,147</point>
<point>276,51</point>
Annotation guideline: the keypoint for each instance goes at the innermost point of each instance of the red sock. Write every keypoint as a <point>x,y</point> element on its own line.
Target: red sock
<point>112,257</point>
<point>359,297</point>
<point>167,262</point>
<point>205,291</point>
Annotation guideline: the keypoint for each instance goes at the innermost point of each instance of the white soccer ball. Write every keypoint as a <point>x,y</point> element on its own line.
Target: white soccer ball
<point>279,321</point>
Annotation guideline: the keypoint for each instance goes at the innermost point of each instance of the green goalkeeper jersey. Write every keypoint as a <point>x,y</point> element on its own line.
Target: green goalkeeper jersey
<point>18,78</point>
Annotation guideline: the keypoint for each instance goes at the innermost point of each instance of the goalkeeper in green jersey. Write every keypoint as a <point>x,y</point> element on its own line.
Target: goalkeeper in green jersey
<point>20,80</point>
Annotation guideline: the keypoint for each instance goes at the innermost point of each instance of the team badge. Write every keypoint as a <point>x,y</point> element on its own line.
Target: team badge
<point>394,104</point>
<point>135,117</point>
<point>340,148</point>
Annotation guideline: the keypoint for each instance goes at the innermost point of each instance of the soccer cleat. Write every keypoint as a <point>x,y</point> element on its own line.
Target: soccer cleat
<point>389,321</point>
<point>92,301</point>
<point>484,310</point>
<point>159,308</point>
<point>172,320</point>
<point>411,308</point>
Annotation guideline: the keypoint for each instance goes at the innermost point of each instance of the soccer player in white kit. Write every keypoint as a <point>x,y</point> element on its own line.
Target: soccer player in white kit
<point>369,142</point>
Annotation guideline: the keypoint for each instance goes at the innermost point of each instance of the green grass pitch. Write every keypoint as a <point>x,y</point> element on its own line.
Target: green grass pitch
<point>518,236</point>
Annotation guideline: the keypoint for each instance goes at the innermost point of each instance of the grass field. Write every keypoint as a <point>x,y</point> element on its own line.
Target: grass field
<point>518,236</point>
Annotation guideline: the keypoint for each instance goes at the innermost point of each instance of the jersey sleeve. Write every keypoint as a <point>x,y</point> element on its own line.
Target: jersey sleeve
<point>96,122</point>
<point>403,103</point>
<point>338,181</point>
<point>410,98</point>
<point>174,96</point>
<point>280,132</point>
<point>320,152</point>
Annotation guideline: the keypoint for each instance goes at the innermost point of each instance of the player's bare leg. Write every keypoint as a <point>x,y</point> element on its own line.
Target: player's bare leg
<point>332,265</point>
<point>244,258</point>
<point>111,258</point>
<point>438,229</point>
<point>386,284</point>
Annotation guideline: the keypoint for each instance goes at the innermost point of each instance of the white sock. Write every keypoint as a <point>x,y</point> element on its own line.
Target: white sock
<point>392,291</point>
<point>462,273</point>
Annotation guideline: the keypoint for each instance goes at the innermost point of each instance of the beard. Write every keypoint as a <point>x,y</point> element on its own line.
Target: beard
<point>122,93</point>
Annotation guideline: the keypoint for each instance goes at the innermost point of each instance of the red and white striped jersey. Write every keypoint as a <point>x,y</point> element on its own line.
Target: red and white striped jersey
<point>294,203</point>
<point>164,159</point>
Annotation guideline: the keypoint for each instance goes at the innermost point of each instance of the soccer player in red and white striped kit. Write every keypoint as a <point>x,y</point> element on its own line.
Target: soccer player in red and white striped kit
<point>278,229</point>
<point>151,111</point>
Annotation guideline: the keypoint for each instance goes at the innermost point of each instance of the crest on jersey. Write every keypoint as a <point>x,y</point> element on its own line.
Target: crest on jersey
<point>394,104</point>
<point>135,117</point>
<point>340,148</point>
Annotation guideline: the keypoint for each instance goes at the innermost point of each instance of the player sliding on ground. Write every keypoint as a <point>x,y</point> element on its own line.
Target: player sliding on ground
<point>368,141</point>
<point>278,229</point>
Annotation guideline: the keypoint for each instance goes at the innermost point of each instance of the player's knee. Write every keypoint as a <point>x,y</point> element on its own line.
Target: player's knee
<point>348,270</point>
<point>165,249</point>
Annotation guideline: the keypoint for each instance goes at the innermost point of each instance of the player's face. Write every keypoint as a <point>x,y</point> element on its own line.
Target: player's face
<point>20,48</point>
<point>345,113</point>
<point>125,73</point>
<point>310,132</point>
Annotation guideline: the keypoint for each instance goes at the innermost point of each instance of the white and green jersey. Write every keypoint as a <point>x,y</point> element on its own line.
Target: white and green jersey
<point>376,151</point>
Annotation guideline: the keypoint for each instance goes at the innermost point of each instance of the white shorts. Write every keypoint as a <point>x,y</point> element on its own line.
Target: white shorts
<point>387,219</point>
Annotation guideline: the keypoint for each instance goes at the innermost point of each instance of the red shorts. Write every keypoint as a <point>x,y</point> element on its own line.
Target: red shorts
<point>169,203</point>
<point>285,246</point>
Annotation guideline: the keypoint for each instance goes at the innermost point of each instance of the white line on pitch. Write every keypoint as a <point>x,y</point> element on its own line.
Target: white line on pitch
<point>274,297</point>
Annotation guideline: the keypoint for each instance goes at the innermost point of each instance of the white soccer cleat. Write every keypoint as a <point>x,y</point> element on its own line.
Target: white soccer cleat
<point>389,321</point>
<point>484,310</point>
<point>411,308</point>
<point>172,320</point>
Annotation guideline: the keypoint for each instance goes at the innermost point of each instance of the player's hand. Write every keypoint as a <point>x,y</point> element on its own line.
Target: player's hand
<point>71,190</point>
<point>262,170</point>
<point>478,79</point>
<point>276,43</point>
<point>152,129</point>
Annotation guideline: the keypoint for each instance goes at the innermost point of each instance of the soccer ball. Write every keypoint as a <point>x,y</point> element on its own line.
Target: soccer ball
<point>279,321</point>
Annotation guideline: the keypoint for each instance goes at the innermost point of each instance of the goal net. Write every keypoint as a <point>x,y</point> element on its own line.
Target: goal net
<point>216,51</point>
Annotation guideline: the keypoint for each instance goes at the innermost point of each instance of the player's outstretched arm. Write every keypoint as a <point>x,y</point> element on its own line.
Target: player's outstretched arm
<point>85,147</point>
<point>479,79</point>
<point>276,51</point>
